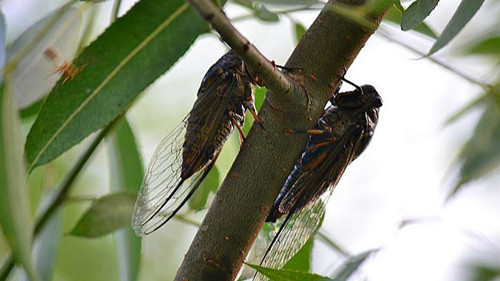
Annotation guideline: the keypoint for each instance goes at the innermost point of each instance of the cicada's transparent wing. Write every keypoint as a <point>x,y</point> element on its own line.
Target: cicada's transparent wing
<point>306,212</point>
<point>162,193</point>
<point>293,234</point>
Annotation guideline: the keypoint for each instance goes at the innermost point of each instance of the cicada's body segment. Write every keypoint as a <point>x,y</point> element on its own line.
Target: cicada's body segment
<point>340,136</point>
<point>186,155</point>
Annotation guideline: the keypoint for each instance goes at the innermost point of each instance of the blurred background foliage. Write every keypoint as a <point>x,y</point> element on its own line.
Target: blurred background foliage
<point>85,156</point>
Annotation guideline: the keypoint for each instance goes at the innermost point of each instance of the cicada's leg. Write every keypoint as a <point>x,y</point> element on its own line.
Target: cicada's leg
<point>310,132</point>
<point>326,140</point>
<point>288,69</point>
<point>235,118</point>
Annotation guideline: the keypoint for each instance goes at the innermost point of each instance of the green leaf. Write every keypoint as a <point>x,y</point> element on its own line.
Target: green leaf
<point>15,221</point>
<point>289,2</point>
<point>300,30</point>
<point>351,265</point>
<point>45,248</point>
<point>482,272</point>
<point>244,3</point>
<point>119,65</point>
<point>464,13</point>
<point>14,203</point>
<point>395,16</point>
<point>264,14</point>
<point>31,111</point>
<point>489,46</point>
<point>127,169</point>
<point>288,275</point>
<point>209,185</point>
<point>416,13</point>
<point>481,154</point>
<point>127,172</point>
<point>302,259</point>
<point>2,43</point>
<point>259,95</point>
<point>106,215</point>
<point>377,7</point>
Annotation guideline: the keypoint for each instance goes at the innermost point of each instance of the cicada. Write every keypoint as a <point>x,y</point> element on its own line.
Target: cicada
<point>185,156</point>
<point>342,133</point>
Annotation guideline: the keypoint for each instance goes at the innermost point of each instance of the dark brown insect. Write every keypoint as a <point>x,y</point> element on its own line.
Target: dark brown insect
<point>186,155</point>
<point>340,136</point>
<point>67,69</point>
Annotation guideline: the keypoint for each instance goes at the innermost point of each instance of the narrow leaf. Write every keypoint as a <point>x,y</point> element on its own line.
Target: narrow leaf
<point>302,259</point>
<point>14,204</point>
<point>106,215</point>
<point>395,16</point>
<point>489,46</point>
<point>2,43</point>
<point>259,95</point>
<point>416,13</point>
<point>127,169</point>
<point>120,64</point>
<point>15,221</point>
<point>481,153</point>
<point>45,248</point>
<point>351,265</point>
<point>299,30</point>
<point>127,172</point>
<point>209,185</point>
<point>288,275</point>
<point>289,2</point>
<point>244,3</point>
<point>36,72</point>
<point>464,13</point>
<point>264,14</point>
<point>482,272</point>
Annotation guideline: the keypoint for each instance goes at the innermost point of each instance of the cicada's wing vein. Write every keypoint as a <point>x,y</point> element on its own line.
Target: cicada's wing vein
<point>161,190</point>
<point>300,224</point>
<point>293,234</point>
<point>314,182</point>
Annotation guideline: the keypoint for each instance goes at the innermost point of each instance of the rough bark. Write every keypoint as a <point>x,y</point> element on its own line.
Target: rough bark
<point>267,157</point>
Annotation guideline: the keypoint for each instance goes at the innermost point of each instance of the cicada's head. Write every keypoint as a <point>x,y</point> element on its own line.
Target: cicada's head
<point>364,97</point>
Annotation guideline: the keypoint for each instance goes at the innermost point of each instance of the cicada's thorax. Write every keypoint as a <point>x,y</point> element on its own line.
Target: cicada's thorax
<point>209,124</point>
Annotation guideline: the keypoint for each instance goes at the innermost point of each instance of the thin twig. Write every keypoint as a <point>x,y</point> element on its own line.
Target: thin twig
<point>323,236</point>
<point>384,33</point>
<point>274,79</point>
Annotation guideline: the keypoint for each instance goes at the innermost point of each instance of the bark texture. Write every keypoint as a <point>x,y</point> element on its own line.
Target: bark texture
<point>267,157</point>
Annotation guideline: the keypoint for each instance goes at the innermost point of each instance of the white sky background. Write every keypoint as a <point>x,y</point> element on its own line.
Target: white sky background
<point>404,174</point>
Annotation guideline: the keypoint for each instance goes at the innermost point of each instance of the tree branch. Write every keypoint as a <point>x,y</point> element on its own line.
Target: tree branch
<point>260,65</point>
<point>266,158</point>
